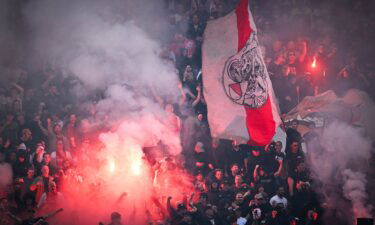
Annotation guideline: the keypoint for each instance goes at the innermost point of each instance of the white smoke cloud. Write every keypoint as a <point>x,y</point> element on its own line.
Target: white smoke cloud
<point>355,190</point>
<point>104,44</point>
<point>341,167</point>
<point>100,43</point>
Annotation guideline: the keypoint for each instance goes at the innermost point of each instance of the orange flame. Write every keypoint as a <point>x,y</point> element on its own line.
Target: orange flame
<point>111,165</point>
<point>136,168</point>
<point>313,65</point>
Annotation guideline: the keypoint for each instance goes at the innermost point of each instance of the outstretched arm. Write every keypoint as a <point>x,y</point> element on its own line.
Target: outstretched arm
<point>255,173</point>
<point>50,214</point>
<point>122,196</point>
<point>199,95</point>
<point>278,172</point>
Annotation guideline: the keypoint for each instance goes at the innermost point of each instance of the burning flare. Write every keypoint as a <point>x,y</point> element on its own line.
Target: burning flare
<point>313,65</point>
<point>111,165</point>
<point>136,168</point>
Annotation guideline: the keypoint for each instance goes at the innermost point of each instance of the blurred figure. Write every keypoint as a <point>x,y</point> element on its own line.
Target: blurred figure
<point>41,184</point>
<point>60,155</point>
<point>51,199</point>
<point>115,219</point>
<point>279,199</point>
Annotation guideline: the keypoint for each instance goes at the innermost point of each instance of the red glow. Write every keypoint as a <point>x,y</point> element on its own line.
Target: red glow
<point>111,165</point>
<point>136,168</point>
<point>114,165</point>
<point>313,65</point>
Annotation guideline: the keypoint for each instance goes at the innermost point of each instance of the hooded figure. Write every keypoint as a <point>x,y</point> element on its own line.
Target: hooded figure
<point>21,165</point>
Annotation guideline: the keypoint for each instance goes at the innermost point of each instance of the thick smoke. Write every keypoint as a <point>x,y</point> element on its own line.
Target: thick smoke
<point>340,166</point>
<point>104,48</point>
<point>107,46</point>
<point>9,27</point>
<point>100,43</point>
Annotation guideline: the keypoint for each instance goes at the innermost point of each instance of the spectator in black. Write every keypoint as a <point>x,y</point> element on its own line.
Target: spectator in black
<point>293,157</point>
<point>202,203</point>
<point>47,162</point>
<point>306,87</point>
<point>237,154</point>
<point>201,159</point>
<point>278,216</point>
<point>268,157</point>
<point>21,166</point>
<point>210,217</point>
<point>241,202</point>
<point>26,182</point>
<point>260,190</point>
<point>25,141</point>
<point>264,178</point>
<point>196,29</point>
<point>302,194</point>
<point>314,217</point>
<point>225,195</point>
<point>259,209</point>
<point>292,134</point>
<point>213,193</point>
<point>275,71</point>
<point>36,158</point>
<point>216,175</point>
<point>115,219</point>
<point>290,93</point>
<point>238,184</point>
<point>277,163</point>
<point>234,171</point>
<point>218,155</point>
<point>253,158</point>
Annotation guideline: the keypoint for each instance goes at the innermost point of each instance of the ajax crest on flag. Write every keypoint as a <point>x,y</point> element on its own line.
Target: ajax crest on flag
<point>240,101</point>
<point>245,76</point>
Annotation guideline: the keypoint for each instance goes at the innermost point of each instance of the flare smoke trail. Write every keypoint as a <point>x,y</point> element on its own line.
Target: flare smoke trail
<point>341,167</point>
<point>100,44</point>
<point>104,44</point>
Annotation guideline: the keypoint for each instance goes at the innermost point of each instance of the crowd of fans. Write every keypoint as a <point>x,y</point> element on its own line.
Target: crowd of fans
<point>309,47</point>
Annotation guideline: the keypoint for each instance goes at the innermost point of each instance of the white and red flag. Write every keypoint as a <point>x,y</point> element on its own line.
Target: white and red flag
<point>238,91</point>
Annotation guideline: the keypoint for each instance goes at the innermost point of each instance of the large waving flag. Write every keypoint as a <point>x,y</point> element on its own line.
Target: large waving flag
<point>238,91</point>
